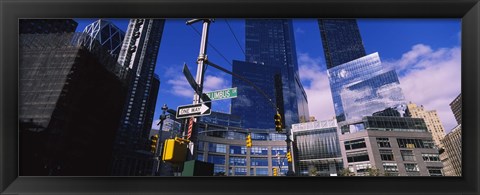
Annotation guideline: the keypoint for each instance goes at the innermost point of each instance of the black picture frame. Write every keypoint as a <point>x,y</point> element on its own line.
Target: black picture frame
<point>11,11</point>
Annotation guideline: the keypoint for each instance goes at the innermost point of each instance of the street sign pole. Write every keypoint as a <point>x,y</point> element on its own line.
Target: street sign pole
<point>202,57</point>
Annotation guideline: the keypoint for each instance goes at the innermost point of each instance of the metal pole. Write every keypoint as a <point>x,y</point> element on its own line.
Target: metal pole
<point>202,57</point>
<point>158,151</point>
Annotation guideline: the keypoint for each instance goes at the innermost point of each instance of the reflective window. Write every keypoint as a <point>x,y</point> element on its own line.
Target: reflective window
<point>357,156</point>
<point>279,150</point>
<point>435,171</point>
<point>431,157</point>
<point>200,156</point>
<point>240,171</point>
<point>238,149</point>
<point>390,167</point>
<point>261,171</point>
<point>220,148</point>
<point>259,150</point>
<point>279,162</point>
<point>237,161</point>
<point>383,143</point>
<point>259,161</point>
<point>216,159</point>
<point>387,155</point>
<point>415,143</point>
<point>411,167</point>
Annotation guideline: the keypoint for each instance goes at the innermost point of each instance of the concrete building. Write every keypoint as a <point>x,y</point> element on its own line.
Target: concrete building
<point>456,106</point>
<point>396,146</point>
<point>434,126</point>
<point>316,148</point>
<point>452,154</point>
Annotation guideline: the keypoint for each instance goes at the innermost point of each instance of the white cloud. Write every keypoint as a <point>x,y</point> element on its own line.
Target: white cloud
<point>180,87</point>
<point>213,83</point>
<point>431,78</point>
<point>317,87</point>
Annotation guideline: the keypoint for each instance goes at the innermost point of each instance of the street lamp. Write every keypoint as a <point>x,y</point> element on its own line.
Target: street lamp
<point>157,153</point>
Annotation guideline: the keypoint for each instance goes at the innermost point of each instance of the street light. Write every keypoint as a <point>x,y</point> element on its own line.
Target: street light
<point>157,154</point>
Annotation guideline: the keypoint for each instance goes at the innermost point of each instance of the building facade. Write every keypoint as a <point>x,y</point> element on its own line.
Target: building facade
<point>341,41</point>
<point>456,106</point>
<point>70,101</point>
<point>317,148</point>
<point>138,53</point>
<point>362,87</point>
<point>225,146</point>
<point>271,42</point>
<point>395,146</point>
<point>434,126</point>
<point>452,152</point>
<point>105,32</point>
<point>46,26</point>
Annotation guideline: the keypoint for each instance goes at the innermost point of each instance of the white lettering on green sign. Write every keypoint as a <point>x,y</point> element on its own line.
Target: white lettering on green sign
<point>223,94</point>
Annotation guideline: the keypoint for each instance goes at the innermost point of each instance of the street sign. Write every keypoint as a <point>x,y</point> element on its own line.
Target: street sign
<point>193,83</point>
<point>223,94</point>
<point>194,110</point>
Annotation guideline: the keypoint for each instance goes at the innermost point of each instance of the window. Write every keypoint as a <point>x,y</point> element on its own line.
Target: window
<point>357,156</point>
<point>363,167</point>
<point>259,161</point>
<point>259,150</point>
<point>383,143</point>
<point>435,171</point>
<point>238,150</point>
<point>220,148</point>
<point>282,162</point>
<point>407,155</point>
<point>261,172</point>
<point>390,167</point>
<point>216,159</point>
<point>238,161</point>
<point>279,150</point>
<point>240,171</point>
<point>415,143</point>
<point>431,157</point>
<point>411,167</point>
<point>219,168</point>
<point>355,144</point>
<point>200,156</point>
<point>387,155</point>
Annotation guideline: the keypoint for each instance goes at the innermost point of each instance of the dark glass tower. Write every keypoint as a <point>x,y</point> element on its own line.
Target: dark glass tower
<point>70,101</point>
<point>45,26</point>
<point>341,41</point>
<point>360,85</point>
<point>270,42</point>
<point>139,53</point>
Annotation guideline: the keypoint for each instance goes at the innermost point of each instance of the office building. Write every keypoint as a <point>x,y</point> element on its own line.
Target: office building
<point>317,149</point>
<point>432,120</point>
<point>395,146</point>
<point>341,41</point>
<point>138,53</point>
<point>107,34</point>
<point>456,106</point>
<point>362,87</point>
<point>46,26</point>
<point>270,42</point>
<point>70,102</point>
<point>253,108</point>
<point>360,84</point>
<point>452,152</point>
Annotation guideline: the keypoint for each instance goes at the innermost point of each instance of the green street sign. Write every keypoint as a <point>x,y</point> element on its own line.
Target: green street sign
<point>223,94</point>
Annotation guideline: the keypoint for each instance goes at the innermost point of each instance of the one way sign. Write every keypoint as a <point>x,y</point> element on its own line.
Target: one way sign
<point>194,110</point>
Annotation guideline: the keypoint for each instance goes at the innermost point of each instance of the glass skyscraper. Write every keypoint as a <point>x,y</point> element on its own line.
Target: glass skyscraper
<point>360,84</point>
<point>270,42</point>
<point>341,41</point>
<point>109,35</point>
<point>138,53</point>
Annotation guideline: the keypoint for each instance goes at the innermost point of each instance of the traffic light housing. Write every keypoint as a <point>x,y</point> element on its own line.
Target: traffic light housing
<point>248,140</point>
<point>153,143</point>
<point>278,122</point>
<point>275,172</point>
<point>289,156</point>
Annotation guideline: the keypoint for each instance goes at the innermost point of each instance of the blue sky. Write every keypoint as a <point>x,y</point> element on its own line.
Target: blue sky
<point>425,53</point>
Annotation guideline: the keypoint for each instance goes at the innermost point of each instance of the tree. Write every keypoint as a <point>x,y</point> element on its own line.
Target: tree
<point>374,172</point>
<point>346,172</point>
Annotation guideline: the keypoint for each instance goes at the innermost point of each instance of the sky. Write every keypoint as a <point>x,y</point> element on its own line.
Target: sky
<point>425,53</point>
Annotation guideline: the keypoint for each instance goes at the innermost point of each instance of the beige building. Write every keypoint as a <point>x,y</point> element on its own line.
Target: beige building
<point>452,154</point>
<point>432,121</point>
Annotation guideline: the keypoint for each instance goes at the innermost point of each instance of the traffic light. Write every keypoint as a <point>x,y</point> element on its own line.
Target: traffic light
<point>275,172</point>
<point>289,156</point>
<point>278,123</point>
<point>249,140</point>
<point>153,144</point>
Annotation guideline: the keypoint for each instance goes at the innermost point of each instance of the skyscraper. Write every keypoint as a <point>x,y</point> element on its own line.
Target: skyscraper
<point>138,53</point>
<point>270,42</point>
<point>432,120</point>
<point>341,41</point>
<point>105,32</point>
<point>70,101</point>
<point>360,84</point>
<point>45,26</point>
<point>456,106</point>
